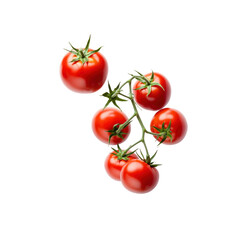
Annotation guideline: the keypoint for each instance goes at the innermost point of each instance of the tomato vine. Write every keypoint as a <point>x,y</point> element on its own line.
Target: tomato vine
<point>85,70</point>
<point>113,97</point>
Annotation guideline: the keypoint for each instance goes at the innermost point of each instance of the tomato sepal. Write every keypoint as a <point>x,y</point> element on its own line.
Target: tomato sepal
<point>148,159</point>
<point>148,83</point>
<point>117,130</point>
<point>112,96</point>
<point>82,54</point>
<point>164,132</point>
<point>122,154</point>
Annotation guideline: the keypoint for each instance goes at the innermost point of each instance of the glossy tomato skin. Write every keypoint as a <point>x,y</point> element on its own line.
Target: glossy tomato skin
<point>104,120</point>
<point>178,124</point>
<point>84,78</point>
<point>139,177</point>
<point>158,98</point>
<point>114,166</point>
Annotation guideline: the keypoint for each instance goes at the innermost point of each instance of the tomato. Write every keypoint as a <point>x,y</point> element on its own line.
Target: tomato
<point>104,121</point>
<point>113,164</point>
<point>178,124</point>
<point>157,98</point>
<point>138,176</point>
<point>81,76</point>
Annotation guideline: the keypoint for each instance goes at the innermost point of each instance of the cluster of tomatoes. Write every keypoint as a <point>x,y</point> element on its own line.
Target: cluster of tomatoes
<point>85,71</point>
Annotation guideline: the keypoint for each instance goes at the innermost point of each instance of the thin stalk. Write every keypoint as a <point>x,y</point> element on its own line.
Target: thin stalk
<point>122,126</point>
<point>125,96</point>
<point>131,146</point>
<point>139,120</point>
<point>155,134</point>
<point>126,82</point>
<point>145,145</point>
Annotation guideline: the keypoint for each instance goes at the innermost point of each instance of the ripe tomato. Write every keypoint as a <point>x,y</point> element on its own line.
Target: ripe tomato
<point>139,177</point>
<point>113,164</point>
<point>178,124</point>
<point>104,121</point>
<point>157,98</point>
<point>85,77</point>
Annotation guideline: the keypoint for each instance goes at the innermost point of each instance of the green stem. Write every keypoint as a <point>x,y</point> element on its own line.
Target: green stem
<point>125,96</point>
<point>122,126</point>
<point>126,82</point>
<point>156,134</point>
<point>131,146</point>
<point>139,120</point>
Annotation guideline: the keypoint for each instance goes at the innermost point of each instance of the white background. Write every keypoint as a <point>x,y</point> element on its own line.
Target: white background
<point>53,183</point>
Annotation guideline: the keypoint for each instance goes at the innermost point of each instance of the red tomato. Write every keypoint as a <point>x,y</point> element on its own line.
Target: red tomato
<point>157,98</point>
<point>139,177</point>
<point>104,120</point>
<point>113,165</point>
<point>178,124</point>
<point>87,77</point>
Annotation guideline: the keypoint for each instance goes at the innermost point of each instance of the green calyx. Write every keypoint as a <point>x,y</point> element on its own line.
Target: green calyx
<point>164,132</point>
<point>112,96</point>
<point>117,130</point>
<point>121,154</point>
<point>147,83</point>
<point>82,54</point>
<point>148,159</point>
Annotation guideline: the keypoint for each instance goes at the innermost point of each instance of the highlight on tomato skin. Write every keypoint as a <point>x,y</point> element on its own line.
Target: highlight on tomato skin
<point>139,177</point>
<point>104,121</point>
<point>178,127</point>
<point>154,94</point>
<point>113,165</point>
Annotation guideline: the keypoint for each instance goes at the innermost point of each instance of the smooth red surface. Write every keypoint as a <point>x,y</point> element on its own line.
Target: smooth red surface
<point>158,98</point>
<point>137,176</point>
<point>104,120</point>
<point>114,166</point>
<point>178,124</point>
<point>84,78</point>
